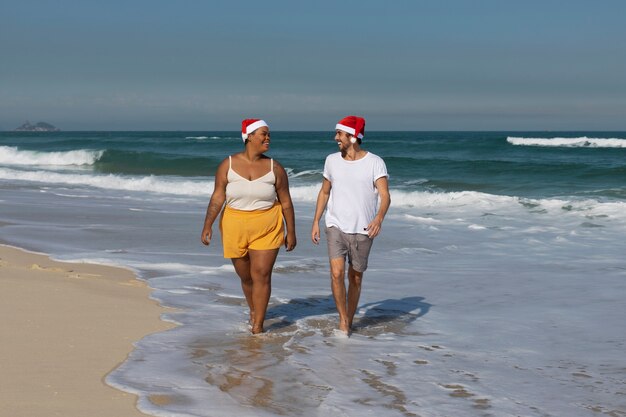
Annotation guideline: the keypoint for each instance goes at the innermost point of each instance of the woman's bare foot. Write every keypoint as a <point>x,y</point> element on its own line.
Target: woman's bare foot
<point>257,328</point>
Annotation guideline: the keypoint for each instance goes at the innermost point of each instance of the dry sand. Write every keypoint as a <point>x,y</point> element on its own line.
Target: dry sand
<point>64,327</point>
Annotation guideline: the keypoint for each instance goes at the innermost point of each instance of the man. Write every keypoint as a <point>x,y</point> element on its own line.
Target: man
<point>354,179</point>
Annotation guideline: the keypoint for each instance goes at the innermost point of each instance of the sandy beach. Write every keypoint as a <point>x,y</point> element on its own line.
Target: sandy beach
<point>65,327</point>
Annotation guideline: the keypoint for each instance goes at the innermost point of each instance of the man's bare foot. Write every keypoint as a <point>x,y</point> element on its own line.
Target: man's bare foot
<point>256,329</point>
<point>344,326</point>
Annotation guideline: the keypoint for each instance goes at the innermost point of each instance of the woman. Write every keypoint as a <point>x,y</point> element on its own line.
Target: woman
<point>256,191</point>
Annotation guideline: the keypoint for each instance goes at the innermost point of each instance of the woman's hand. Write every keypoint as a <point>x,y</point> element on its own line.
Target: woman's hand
<point>290,241</point>
<point>206,236</point>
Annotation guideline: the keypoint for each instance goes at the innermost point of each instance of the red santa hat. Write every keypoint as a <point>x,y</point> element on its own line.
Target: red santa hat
<point>250,125</point>
<point>353,125</point>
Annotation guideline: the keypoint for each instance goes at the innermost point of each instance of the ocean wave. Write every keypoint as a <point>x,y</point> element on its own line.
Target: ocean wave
<point>421,199</point>
<point>151,183</point>
<point>165,185</point>
<point>426,199</point>
<point>307,193</point>
<point>480,203</point>
<point>477,202</point>
<point>210,137</point>
<point>12,155</point>
<point>581,142</point>
<point>306,173</point>
<point>462,202</point>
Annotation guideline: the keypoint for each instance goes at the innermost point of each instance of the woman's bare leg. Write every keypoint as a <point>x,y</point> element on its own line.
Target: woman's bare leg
<point>242,267</point>
<point>261,265</point>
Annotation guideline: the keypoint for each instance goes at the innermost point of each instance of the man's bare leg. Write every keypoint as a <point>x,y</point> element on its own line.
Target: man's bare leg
<point>354,293</point>
<point>338,285</point>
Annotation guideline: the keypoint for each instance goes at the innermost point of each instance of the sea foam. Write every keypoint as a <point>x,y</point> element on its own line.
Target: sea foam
<point>166,185</point>
<point>202,187</point>
<point>12,155</point>
<point>581,142</point>
<point>209,137</point>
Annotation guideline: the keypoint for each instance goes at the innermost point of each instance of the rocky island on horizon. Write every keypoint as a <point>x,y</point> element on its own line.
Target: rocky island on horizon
<point>37,127</point>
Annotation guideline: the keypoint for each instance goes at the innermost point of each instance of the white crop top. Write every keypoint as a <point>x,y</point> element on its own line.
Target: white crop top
<point>243,194</point>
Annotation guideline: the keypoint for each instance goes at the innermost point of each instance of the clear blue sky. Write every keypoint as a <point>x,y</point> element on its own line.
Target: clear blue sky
<point>404,65</point>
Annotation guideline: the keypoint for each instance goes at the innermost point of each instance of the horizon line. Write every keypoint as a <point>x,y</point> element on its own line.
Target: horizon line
<point>316,131</point>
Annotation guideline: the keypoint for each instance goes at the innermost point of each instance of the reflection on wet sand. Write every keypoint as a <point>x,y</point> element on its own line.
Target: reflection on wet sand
<point>263,371</point>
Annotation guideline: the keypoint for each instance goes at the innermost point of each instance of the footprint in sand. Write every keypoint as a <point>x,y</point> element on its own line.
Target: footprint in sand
<point>38,267</point>
<point>398,399</point>
<point>459,391</point>
<point>83,275</point>
<point>391,366</point>
<point>431,348</point>
<point>132,283</point>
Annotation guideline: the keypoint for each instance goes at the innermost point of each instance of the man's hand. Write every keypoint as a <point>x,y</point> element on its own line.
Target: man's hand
<point>373,229</point>
<point>315,233</point>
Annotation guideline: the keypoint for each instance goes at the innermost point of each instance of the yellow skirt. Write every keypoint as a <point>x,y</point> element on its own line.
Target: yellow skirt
<point>257,230</point>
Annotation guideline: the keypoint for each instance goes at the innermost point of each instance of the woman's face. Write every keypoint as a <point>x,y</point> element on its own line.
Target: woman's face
<point>260,137</point>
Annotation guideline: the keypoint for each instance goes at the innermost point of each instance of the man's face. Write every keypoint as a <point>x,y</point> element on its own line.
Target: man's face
<point>343,139</point>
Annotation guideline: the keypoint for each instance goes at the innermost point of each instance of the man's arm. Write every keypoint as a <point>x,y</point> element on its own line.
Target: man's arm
<point>322,200</point>
<point>382,185</point>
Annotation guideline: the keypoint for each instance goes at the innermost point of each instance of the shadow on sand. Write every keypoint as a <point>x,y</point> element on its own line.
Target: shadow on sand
<point>390,315</point>
<point>299,308</point>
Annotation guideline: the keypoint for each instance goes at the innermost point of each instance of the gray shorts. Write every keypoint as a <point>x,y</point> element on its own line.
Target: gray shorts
<point>357,246</point>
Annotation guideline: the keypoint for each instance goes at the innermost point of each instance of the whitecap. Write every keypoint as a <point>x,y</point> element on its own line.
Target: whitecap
<point>158,184</point>
<point>581,142</point>
<point>12,155</point>
<point>419,219</point>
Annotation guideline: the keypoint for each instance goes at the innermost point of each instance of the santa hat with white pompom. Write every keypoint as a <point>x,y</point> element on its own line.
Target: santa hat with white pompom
<point>353,125</point>
<point>250,125</point>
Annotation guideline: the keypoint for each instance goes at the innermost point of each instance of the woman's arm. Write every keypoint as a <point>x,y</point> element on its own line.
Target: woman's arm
<point>217,201</point>
<point>284,197</point>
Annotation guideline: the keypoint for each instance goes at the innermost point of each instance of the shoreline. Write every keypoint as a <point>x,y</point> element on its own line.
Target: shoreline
<point>66,326</point>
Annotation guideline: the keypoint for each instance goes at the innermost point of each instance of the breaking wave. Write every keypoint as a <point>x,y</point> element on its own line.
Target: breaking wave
<point>581,142</point>
<point>11,155</point>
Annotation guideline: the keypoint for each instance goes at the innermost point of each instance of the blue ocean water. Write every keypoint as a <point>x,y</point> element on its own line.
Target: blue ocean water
<point>569,163</point>
<point>495,288</point>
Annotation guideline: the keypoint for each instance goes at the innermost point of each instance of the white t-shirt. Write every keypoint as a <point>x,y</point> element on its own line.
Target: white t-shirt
<point>353,198</point>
